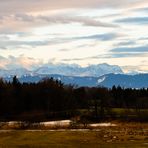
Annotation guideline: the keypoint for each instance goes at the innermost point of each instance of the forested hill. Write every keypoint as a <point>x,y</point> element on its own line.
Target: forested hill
<point>50,99</point>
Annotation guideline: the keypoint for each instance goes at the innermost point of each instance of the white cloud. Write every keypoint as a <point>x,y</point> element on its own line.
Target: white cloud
<point>13,6</point>
<point>21,61</point>
<point>39,29</point>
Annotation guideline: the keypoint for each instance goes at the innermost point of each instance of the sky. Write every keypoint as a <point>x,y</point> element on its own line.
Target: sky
<point>35,32</point>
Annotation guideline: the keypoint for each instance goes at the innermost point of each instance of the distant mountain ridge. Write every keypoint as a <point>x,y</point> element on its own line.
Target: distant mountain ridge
<point>108,80</point>
<point>94,75</point>
<point>123,80</point>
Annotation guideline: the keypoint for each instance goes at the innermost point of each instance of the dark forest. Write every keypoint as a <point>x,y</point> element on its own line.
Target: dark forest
<point>50,99</point>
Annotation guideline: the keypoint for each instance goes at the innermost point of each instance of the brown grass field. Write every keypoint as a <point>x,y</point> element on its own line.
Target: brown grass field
<point>132,135</point>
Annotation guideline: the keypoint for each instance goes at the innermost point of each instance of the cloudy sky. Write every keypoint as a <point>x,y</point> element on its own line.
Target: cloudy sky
<point>37,32</point>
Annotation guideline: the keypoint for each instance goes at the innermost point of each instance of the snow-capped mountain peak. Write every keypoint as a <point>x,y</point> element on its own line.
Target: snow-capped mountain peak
<point>65,69</point>
<point>75,70</point>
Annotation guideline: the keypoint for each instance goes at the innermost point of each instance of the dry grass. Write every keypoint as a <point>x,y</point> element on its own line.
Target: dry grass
<point>70,139</point>
<point>124,135</point>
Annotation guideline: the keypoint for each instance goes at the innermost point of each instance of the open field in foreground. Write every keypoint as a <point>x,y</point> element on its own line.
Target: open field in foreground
<point>105,137</point>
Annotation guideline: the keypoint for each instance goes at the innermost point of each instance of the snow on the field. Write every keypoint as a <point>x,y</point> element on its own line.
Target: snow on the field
<point>102,124</point>
<point>60,122</point>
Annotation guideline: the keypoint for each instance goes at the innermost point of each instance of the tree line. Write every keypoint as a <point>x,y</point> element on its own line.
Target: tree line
<point>51,99</point>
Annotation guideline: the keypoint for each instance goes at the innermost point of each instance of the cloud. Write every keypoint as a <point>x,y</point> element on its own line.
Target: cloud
<point>8,43</point>
<point>134,20</point>
<point>62,19</point>
<point>11,44</point>
<point>96,37</point>
<point>102,37</point>
<point>126,43</point>
<point>21,61</point>
<point>84,58</point>
<point>134,69</point>
<point>143,38</point>
<point>145,9</point>
<point>123,55</point>
<point>139,49</point>
<point>84,20</point>
<point>29,24</point>
<point>13,6</point>
<point>21,22</point>
<point>63,50</point>
<point>110,55</point>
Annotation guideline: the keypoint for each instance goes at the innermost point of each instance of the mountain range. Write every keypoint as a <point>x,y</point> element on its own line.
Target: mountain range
<point>91,76</point>
<point>65,69</point>
<point>108,80</point>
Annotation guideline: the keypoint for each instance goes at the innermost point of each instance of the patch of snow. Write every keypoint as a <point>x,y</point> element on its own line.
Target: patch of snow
<point>101,80</point>
<point>102,124</point>
<point>57,123</point>
<point>12,123</point>
<point>59,78</point>
<point>52,123</point>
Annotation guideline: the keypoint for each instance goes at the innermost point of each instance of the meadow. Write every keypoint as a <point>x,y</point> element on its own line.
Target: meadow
<point>122,136</point>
